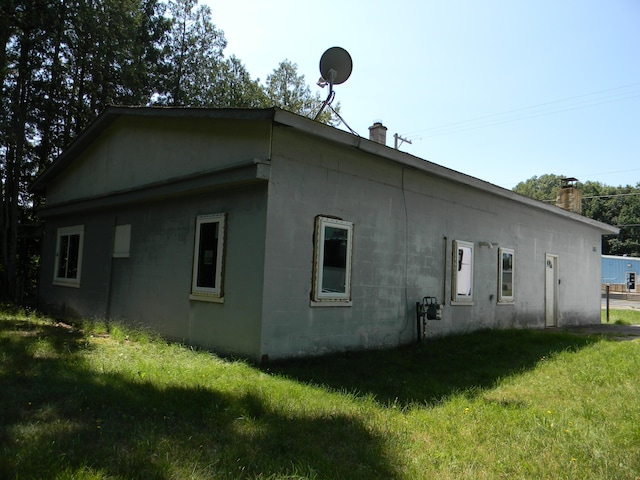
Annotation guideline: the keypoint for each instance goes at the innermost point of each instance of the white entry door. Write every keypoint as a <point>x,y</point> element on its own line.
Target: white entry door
<point>551,290</point>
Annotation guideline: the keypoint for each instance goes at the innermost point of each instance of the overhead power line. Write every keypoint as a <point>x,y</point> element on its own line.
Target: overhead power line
<point>542,109</point>
<point>582,175</point>
<point>614,195</point>
<point>550,200</point>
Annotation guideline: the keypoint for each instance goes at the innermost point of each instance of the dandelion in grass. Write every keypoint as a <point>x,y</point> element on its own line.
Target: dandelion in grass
<point>466,410</point>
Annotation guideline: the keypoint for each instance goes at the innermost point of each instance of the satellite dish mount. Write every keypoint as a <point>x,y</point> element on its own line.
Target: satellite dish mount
<point>335,68</point>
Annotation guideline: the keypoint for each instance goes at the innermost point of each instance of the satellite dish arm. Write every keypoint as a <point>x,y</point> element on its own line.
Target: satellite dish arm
<point>328,101</point>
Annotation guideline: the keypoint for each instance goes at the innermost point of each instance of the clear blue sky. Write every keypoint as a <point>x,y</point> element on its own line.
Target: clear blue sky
<point>498,89</point>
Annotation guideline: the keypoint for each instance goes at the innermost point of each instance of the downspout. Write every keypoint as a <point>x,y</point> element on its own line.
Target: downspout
<point>444,279</point>
<point>262,354</point>
<point>406,260</point>
<point>273,119</point>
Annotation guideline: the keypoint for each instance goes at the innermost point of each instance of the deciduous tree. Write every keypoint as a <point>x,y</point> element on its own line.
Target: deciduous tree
<point>618,206</point>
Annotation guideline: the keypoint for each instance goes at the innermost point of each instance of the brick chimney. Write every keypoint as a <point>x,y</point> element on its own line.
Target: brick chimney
<point>378,133</point>
<point>569,197</point>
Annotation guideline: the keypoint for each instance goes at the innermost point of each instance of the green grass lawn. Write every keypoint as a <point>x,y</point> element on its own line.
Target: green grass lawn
<point>87,404</point>
<point>622,317</point>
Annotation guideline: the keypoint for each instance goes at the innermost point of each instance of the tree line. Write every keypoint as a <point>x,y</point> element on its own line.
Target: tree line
<point>618,206</point>
<point>63,61</point>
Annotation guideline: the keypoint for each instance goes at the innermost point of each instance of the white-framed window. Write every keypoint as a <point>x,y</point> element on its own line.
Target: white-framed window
<point>333,241</point>
<point>462,272</point>
<point>68,261</point>
<point>208,258</point>
<point>505,275</point>
<point>122,241</point>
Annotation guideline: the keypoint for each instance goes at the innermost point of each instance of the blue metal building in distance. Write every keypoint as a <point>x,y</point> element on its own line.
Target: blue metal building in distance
<point>621,273</point>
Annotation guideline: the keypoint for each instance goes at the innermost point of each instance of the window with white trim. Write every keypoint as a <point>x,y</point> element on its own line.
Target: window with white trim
<point>208,257</point>
<point>505,275</point>
<point>68,261</point>
<point>332,262</point>
<point>462,272</point>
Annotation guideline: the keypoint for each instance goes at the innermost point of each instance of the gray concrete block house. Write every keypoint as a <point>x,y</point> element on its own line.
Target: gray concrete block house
<point>264,234</point>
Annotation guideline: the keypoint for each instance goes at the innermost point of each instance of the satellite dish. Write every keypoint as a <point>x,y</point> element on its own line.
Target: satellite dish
<point>336,65</point>
<point>335,68</point>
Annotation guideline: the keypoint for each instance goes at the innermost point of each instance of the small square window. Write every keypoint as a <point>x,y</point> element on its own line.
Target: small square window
<point>462,276</point>
<point>332,262</point>
<point>68,261</point>
<point>208,256</point>
<point>505,275</point>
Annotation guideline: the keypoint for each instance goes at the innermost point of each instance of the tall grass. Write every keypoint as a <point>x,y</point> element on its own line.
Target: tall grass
<point>111,403</point>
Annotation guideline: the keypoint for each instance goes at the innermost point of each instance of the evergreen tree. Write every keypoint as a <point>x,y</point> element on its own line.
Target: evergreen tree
<point>286,89</point>
<point>193,56</point>
<point>236,88</point>
<point>63,62</point>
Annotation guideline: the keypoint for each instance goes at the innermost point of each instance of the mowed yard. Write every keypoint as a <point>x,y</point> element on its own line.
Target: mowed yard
<point>96,401</point>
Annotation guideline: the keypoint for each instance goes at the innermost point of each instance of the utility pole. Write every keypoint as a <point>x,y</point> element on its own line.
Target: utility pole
<point>397,137</point>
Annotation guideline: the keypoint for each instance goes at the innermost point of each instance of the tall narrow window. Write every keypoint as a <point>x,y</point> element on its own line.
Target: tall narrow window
<point>505,276</point>
<point>332,261</point>
<point>462,277</point>
<point>68,262</point>
<point>208,254</point>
